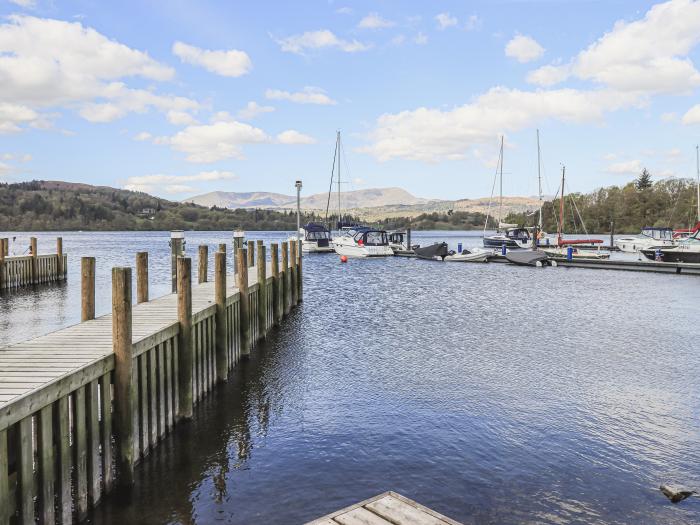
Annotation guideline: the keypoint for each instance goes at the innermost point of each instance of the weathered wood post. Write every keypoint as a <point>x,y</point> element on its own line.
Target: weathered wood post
<point>293,271</point>
<point>285,279</point>
<point>238,238</point>
<point>274,256</point>
<point>142,277</point>
<point>125,394</point>
<point>33,248</point>
<point>2,263</point>
<point>220,321</point>
<point>185,347</point>
<point>59,258</point>
<point>242,284</point>
<point>262,291</point>
<point>222,247</point>
<point>87,288</point>
<point>251,253</point>
<point>203,266</point>
<point>300,281</point>
<point>177,239</point>
<point>408,239</point>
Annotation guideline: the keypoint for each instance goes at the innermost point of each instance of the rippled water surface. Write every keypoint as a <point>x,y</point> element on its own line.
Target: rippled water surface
<point>492,393</point>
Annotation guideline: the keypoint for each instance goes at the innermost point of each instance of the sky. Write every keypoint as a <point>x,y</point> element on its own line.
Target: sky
<point>180,98</point>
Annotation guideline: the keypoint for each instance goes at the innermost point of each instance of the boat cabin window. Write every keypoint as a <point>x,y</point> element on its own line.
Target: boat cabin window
<point>518,233</point>
<point>316,236</point>
<point>659,233</point>
<point>373,238</point>
<point>396,238</point>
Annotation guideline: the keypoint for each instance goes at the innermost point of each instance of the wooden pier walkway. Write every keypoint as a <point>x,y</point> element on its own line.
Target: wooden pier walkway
<point>28,270</point>
<point>388,508</point>
<point>80,407</point>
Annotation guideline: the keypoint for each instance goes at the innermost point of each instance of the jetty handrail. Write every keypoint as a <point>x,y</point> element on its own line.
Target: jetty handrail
<point>17,271</point>
<point>61,440</point>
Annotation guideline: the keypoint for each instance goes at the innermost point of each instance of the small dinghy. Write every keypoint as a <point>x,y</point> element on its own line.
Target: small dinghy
<point>437,251</point>
<point>467,256</point>
<point>528,258</point>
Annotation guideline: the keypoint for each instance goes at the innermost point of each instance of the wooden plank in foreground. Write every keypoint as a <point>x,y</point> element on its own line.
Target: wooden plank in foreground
<point>388,508</point>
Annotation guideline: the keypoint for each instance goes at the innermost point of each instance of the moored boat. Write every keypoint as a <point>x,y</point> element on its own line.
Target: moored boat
<point>529,258</point>
<point>363,242</point>
<point>315,238</point>
<point>437,251</point>
<point>467,256</point>
<point>648,237</point>
<point>687,251</point>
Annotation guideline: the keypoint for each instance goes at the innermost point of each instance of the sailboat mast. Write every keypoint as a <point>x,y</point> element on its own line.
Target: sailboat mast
<point>500,202</point>
<point>560,229</point>
<point>697,170</point>
<point>330,187</point>
<point>339,215</point>
<point>539,181</point>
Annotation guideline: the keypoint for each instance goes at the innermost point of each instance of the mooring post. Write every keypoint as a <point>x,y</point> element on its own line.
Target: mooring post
<point>612,233</point>
<point>285,279</point>
<point>203,266</point>
<point>87,288</point>
<point>251,253</point>
<point>262,291</point>
<point>242,284</point>
<point>177,243</point>
<point>185,347</point>
<point>2,263</point>
<point>125,394</point>
<point>408,239</point>
<point>300,281</point>
<point>293,270</point>
<point>33,250</point>
<point>274,256</point>
<point>222,247</point>
<point>142,277</point>
<point>59,258</point>
<point>238,238</point>
<point>220,321</point>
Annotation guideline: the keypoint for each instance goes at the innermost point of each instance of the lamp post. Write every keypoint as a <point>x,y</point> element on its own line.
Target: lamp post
<point>297,185</point>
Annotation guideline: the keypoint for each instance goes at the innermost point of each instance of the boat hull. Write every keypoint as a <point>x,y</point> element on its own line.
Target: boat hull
<point>363,251</point>
<point>578,255</point>
<point>496,242</point>
<point>467,257</point>
<point>673,255</point>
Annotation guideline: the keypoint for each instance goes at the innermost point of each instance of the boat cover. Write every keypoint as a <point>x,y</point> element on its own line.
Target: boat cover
<point>432,251</point>
<point>315,227</point>
<point>526,258</point>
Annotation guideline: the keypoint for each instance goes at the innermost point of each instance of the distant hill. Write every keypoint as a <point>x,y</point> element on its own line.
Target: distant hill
<point>229,199</point>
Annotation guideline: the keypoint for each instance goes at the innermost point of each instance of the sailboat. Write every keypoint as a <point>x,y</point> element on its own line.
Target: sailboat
<point>512,236</point>
<point>565,247</point>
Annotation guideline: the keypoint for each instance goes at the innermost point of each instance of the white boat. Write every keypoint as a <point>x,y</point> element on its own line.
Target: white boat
<point>398,241</point>
<point>467,256</point>
<point>363,242</point>
<point>315,238</point>
<point>648,238</point>
<point>577,254</point>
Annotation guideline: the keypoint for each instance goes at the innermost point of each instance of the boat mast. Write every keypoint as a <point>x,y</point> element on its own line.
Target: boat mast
<point>500,202</point>
<point>697,170</point>
<point>539,181</point>
<point>340,220</point>
<point>330,187</point>
<point>560,229</point>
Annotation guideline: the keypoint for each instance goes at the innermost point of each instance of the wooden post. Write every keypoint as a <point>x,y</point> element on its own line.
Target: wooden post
<point>222,247</point>
<point>87,286</point>
<point>142,277</point>
<point>33,247</point>
<point>2,269</point>
<point>220,299</point>
<point>274,256</point>
<point>300,281</point>
<point>59,258</point>
<point>203,267</point>
<point>251,253</point>
<point>293,270</point>
<point>408,239</point>
<point>262,291</point>
<point>125,395</point>
<point>242,284</point>
<point>185,347</point>
<point>285,278</point>
<point>612,233</point>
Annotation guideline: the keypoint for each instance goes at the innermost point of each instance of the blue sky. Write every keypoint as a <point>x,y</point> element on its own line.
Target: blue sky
<point>179,98</point>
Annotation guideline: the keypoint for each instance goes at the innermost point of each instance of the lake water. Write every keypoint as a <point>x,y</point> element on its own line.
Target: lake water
<point>492,393</point>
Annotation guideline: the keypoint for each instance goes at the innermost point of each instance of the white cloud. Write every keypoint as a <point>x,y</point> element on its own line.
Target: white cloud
<point>610,156</point>
<point>645,56</point>
<point>397,40</point>
<point>473,22</point>
<point>524,49</point>
<point>628,167</point>
<point>253,109</point>
<point>309,95</point>
<point>173,184</point>
<point>359,181</point>
<point>669,117</point>
<point>548,75</point>
<point>227,63</point>
<point>674,153</point>
<point>692,116</point>
<point>217,141</point>
<point>180,118</point>
<point>445,20</point>
<point>144,136</point>
<point>292,136</point>
<point>320,39</point>
<point>421,39</point>
<point>53,63</point>
<point>344,11</point>
<point>433,135</point>
<point>13,116</point>
<point>374,21</point>
<point>24,3</point>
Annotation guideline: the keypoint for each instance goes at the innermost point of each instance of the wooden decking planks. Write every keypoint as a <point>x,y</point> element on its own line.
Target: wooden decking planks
<point>30,366</point>
<point>388,508</point>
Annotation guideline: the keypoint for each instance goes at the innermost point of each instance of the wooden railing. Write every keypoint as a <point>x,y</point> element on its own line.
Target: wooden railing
<point>72,437</point>
<point>27,270</point>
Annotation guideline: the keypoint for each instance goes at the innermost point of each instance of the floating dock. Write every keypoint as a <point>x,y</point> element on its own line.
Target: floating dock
<point>634,266</point>
<point>80,407</point>
<point>388,508</point>
<point>29,270</point>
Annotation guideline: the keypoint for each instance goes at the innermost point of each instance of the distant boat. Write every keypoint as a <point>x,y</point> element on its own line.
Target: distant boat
<point>363,242</point>
<point>437,251</point>
<point>529,258</point>
<point>647,238</point>
<point>467,256</point>
<point>687,251</point>
<point>315,238</point>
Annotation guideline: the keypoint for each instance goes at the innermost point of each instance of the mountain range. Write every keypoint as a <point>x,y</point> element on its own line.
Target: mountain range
<point>370,204</point>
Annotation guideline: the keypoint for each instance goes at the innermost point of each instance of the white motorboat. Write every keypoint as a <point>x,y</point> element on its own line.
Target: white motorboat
<point>315,238</point>
<point>467,256</point>
<point>577,254</point>
<point>648,238</point>
<point>362,242</point>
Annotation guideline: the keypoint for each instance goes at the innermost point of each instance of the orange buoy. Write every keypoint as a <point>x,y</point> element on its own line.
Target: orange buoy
<point>343,258</point>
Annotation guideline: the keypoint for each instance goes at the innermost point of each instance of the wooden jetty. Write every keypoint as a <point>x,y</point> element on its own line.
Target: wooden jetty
<point>80,407</point>
<point>388,508</point>
<point>28,270</point>
<point>634,266</point>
